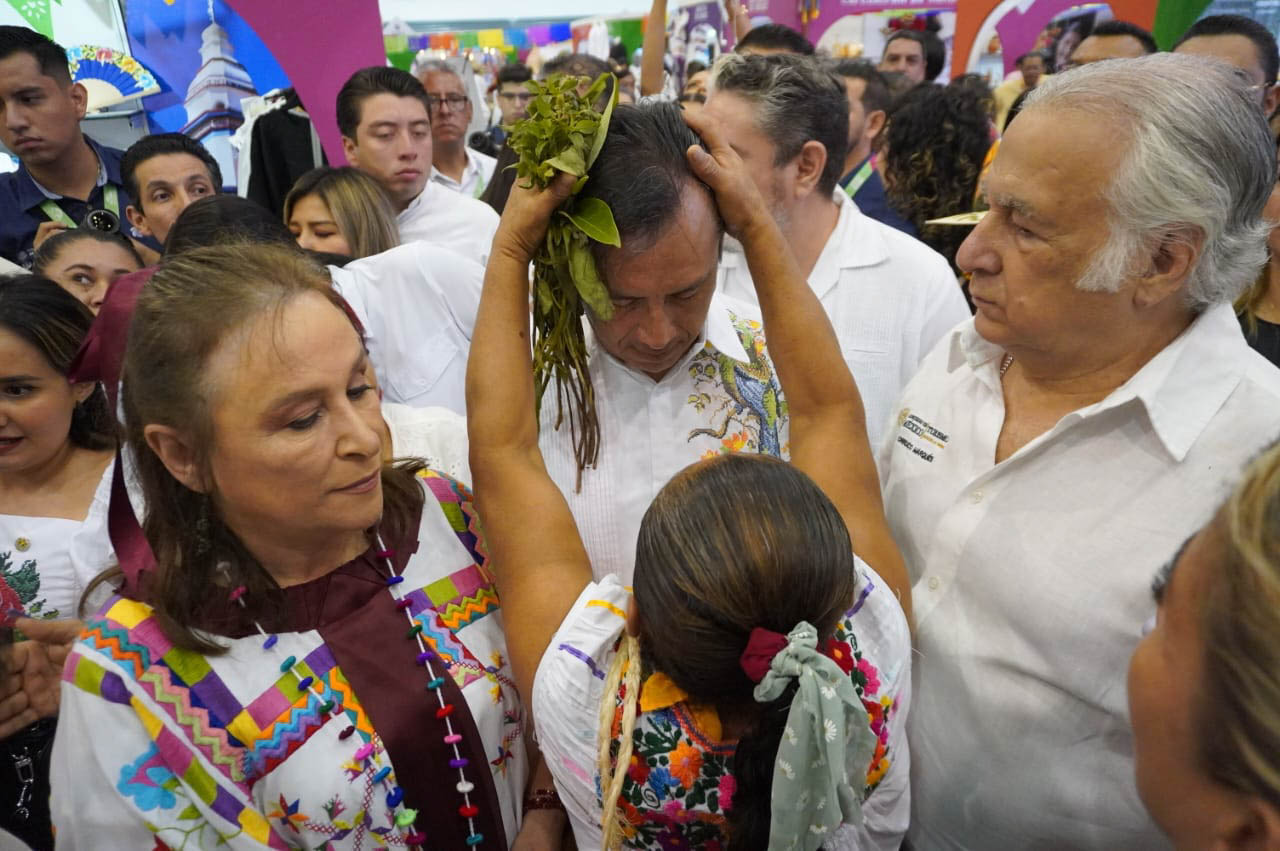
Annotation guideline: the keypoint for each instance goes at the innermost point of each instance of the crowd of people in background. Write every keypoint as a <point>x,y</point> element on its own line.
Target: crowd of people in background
<point>936,504</point>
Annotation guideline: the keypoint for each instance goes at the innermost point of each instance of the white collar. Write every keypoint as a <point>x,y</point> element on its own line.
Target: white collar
<point>1181,388</point>
<point>471,168</point>
<point>854,243</point>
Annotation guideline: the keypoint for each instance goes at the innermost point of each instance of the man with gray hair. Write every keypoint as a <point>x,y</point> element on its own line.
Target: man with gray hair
<point>889,296</point>
<point>1055,450</point>
<point>454,164</point>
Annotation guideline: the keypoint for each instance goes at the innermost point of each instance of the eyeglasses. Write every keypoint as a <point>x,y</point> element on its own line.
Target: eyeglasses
<point>455,102</point>
<point>522,97</point>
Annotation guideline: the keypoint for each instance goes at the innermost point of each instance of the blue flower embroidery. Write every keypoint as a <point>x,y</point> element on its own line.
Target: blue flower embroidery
<point>147,784</point>
<point>659,779</point>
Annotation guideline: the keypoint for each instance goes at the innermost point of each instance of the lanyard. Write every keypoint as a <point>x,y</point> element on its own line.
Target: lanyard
<point>110,197</point>
<point>859,178</point>
<point>480,187</point>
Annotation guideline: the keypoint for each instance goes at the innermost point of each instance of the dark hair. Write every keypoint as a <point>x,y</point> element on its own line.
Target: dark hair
<point>48,54</point>
<point>220,219</point>
<point>618,53</point>
<point>740,542</point>
<point>504,177</point>
<point>977,85</point>
<point>53,246</point>
<point>935,52</point>
<point>694,67</point>
<point>775,37</point>
<point>641,173</point>
<point>875,94</point>
<point>157,145</point>
<point>1032,54</point>
<point>54,323</point>
<point>514,72</point>
<point>183,313</point>
<point>797,99</point>
<point>376,80</point>
<point>1263,41</point>
<point>1120,28</point>
<point>575,65</point>
<point>937,139</point>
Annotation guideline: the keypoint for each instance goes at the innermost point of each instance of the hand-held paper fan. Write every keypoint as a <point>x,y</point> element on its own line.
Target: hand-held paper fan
<point>109,75</point>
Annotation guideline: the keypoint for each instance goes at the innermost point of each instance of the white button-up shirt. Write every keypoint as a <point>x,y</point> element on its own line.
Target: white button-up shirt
<point>418,305</point>
<point>722,397</point>
<point>475,177</point>
<point>890,299</point>
<point>1032,578</point>
<point>441,217</point>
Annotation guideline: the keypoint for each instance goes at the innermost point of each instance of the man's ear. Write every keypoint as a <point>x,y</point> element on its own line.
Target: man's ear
<point>1172,260</point>
<point>874,124</point>
<point>177,455</point>
<point>138,220</point>
<point>80,97</point>
<point>349,148</point>
<point>810,163</point>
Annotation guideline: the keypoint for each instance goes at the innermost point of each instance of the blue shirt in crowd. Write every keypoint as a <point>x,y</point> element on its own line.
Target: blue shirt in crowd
<point>21,197</point>
<point>872,201</point>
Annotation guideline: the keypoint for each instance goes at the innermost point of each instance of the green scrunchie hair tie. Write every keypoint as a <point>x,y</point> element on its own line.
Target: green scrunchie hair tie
<point>827,741</point>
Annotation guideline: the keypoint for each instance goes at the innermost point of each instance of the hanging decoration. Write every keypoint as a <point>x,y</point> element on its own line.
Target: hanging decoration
<point>110,76</point>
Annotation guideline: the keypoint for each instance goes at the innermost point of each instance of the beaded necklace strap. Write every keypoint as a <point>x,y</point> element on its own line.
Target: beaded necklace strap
<point>405,817</point>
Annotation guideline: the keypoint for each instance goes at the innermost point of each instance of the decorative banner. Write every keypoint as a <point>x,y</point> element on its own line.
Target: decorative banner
<point>973,14</point>
<point>109,76</point>
<point>489,38</point>
<point>468,39</point>
<point>318,56</point>
<point>515,38</point>
<point>37,14</point>
<point>1173,17</point>
<point>561,32</point>
<point>539,35</point>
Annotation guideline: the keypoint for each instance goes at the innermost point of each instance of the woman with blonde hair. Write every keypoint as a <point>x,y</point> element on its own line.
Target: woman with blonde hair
<point>1204,683</point>
<point>341,211</point>
<point>752,691</point>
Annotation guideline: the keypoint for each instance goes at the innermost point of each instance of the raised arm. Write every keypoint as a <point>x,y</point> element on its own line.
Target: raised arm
<point>828,423</point>
<point>654,50</point>
<point>538,556</point>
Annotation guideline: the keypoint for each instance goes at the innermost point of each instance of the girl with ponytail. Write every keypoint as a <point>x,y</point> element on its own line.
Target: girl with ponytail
<point>750,691</point>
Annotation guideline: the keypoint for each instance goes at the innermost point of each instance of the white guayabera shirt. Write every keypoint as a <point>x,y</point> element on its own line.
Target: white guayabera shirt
<point>890,299</point>
<point>723,396</point>
<point>418,304</point>
<point>1031,578</point>
<point>441,216</point>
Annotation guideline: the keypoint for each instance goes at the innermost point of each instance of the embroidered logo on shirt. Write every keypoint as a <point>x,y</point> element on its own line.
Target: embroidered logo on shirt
<point>920,438</point>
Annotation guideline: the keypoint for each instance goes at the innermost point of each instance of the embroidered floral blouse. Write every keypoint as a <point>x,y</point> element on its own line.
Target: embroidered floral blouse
<point>678,786</point>
<point>159,747</point>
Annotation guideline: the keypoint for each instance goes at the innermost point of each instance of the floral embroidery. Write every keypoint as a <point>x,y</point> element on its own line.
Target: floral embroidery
<point>742,395</point>
<point>19,587</point>
<point>147,782</point>
<point>287,814</point>
<point>678,788</point>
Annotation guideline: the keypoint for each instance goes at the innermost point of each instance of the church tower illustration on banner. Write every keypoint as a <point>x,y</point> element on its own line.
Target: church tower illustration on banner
<point>213,98</point>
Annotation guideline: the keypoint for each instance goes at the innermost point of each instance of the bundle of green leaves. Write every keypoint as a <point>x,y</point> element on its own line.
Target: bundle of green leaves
<point>565,132</point>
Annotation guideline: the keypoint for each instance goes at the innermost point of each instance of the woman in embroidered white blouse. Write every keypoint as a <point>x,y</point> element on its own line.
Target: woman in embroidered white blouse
<point>750,611</point>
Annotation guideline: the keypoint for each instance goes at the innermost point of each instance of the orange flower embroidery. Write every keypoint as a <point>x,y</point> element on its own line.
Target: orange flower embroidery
<point>686,764</point>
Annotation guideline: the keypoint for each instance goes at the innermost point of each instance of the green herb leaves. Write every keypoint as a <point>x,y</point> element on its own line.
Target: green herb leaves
<point>565,132</point>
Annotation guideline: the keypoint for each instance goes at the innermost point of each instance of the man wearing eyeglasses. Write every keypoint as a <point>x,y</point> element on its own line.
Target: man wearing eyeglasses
<point>454,164</point>
<point>1244,43</point>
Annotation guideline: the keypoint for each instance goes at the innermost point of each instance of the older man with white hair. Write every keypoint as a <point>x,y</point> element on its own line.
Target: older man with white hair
<point>1055,450</point>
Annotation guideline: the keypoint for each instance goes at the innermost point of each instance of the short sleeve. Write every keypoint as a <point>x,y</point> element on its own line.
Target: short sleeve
<point>121,778</point>
<point>567,691</point>
<point>884,640</point>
